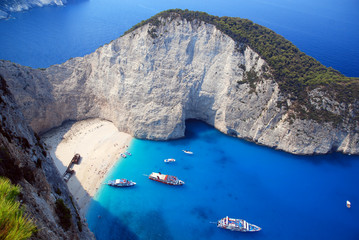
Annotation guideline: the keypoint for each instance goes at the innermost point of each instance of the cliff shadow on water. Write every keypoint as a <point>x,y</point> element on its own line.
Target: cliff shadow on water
<point>131,225</point>
<point>107,226</point>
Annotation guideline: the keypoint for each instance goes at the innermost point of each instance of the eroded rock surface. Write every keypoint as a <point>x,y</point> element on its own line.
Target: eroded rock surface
<point>149,81</point>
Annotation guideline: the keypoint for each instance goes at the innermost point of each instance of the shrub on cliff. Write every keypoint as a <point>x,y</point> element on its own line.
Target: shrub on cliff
<point>64,214</point>
<point>14,224</point>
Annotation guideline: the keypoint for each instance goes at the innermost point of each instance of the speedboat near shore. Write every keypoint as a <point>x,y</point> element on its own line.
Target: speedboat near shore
<point>168,160</point>
<point>120,183</point>
<point>167,179</point>
<point>237,225</point>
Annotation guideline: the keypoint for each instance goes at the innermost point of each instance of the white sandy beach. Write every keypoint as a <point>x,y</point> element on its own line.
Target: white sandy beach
<point>98,142</point>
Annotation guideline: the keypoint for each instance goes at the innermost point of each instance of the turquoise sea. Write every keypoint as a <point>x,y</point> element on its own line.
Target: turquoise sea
<point>290,197</point>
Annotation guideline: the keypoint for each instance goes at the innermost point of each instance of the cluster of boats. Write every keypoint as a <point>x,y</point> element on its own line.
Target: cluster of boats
<point>225,223</point>
<point>168,179</point>
<point>158,177</point>
<point>124,155</point>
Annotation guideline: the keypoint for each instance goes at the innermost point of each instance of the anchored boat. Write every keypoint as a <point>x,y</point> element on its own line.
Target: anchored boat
<point>120,183</point>
<point>188,152</point>
<point>169,160</point>
<point>237,225</point>
<point>167,179</point>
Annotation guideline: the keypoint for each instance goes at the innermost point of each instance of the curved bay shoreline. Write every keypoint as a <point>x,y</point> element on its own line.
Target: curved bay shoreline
<point>98,142</point>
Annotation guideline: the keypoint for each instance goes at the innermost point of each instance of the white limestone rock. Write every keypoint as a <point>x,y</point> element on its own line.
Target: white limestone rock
<point>23,5</point>
<point>149,81</point>
<point>3,15</point>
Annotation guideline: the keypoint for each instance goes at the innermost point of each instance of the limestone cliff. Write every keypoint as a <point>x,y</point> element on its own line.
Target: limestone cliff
<point>21,5</point>
<point>149,81</point>
<point>24,160</point>
<point>7,6</point>
<point>3,15</point>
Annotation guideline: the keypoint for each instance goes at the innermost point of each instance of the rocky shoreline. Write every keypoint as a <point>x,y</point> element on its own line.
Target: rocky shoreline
<point>6,7</point>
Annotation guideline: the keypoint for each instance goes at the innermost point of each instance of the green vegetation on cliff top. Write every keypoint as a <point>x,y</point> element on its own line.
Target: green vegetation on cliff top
<point>13,222</point>
<point>294,71</point>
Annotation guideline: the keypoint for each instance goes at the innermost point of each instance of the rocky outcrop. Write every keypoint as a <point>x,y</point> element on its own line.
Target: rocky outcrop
<point>3,15</point>
<point>149,81</point>
<point>7,6</point>
<point>24,160</point>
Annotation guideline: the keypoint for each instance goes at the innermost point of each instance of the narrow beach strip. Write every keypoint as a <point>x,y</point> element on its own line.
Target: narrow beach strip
<point>99,144</point>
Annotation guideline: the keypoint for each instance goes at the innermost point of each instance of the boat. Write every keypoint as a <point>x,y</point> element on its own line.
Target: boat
<point>237,225</point>
<point>123,155</point>
<point>128,153</point>
<point>76,159</point>
<point>169,160</point>
<point>120,183</point>
<point>188,152</point>
<point>68,174</point>
<point>167,179</point>
<point>348,204</point>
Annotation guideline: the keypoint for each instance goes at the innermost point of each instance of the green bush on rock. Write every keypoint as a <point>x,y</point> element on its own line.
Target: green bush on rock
<point>14,224</point>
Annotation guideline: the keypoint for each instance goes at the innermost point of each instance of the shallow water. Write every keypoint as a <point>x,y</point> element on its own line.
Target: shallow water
<point>290,197</point>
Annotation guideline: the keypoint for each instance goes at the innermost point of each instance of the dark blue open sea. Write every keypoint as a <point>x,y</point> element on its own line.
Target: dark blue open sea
<point>290,197</point>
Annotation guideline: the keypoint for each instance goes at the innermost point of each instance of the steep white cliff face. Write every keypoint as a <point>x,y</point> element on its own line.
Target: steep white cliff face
<point>151,80</point>
<point>29,165</point>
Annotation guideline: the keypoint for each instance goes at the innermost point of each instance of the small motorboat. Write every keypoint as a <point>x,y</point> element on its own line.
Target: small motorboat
<point>188,152</point>
<point>123,155</point>
<point>168,160</point>
<point>167,179</point>
<point>237,225</point>
<point>120,183</point>
<point>348,204</point>
<point>128,153</point>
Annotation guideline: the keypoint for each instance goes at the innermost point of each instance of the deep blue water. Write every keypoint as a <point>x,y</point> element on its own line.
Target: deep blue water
<point>328,30</point>
<point>290,197</point>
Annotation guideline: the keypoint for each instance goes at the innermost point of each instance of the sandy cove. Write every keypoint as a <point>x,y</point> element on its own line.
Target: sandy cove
<point>98,142</point>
